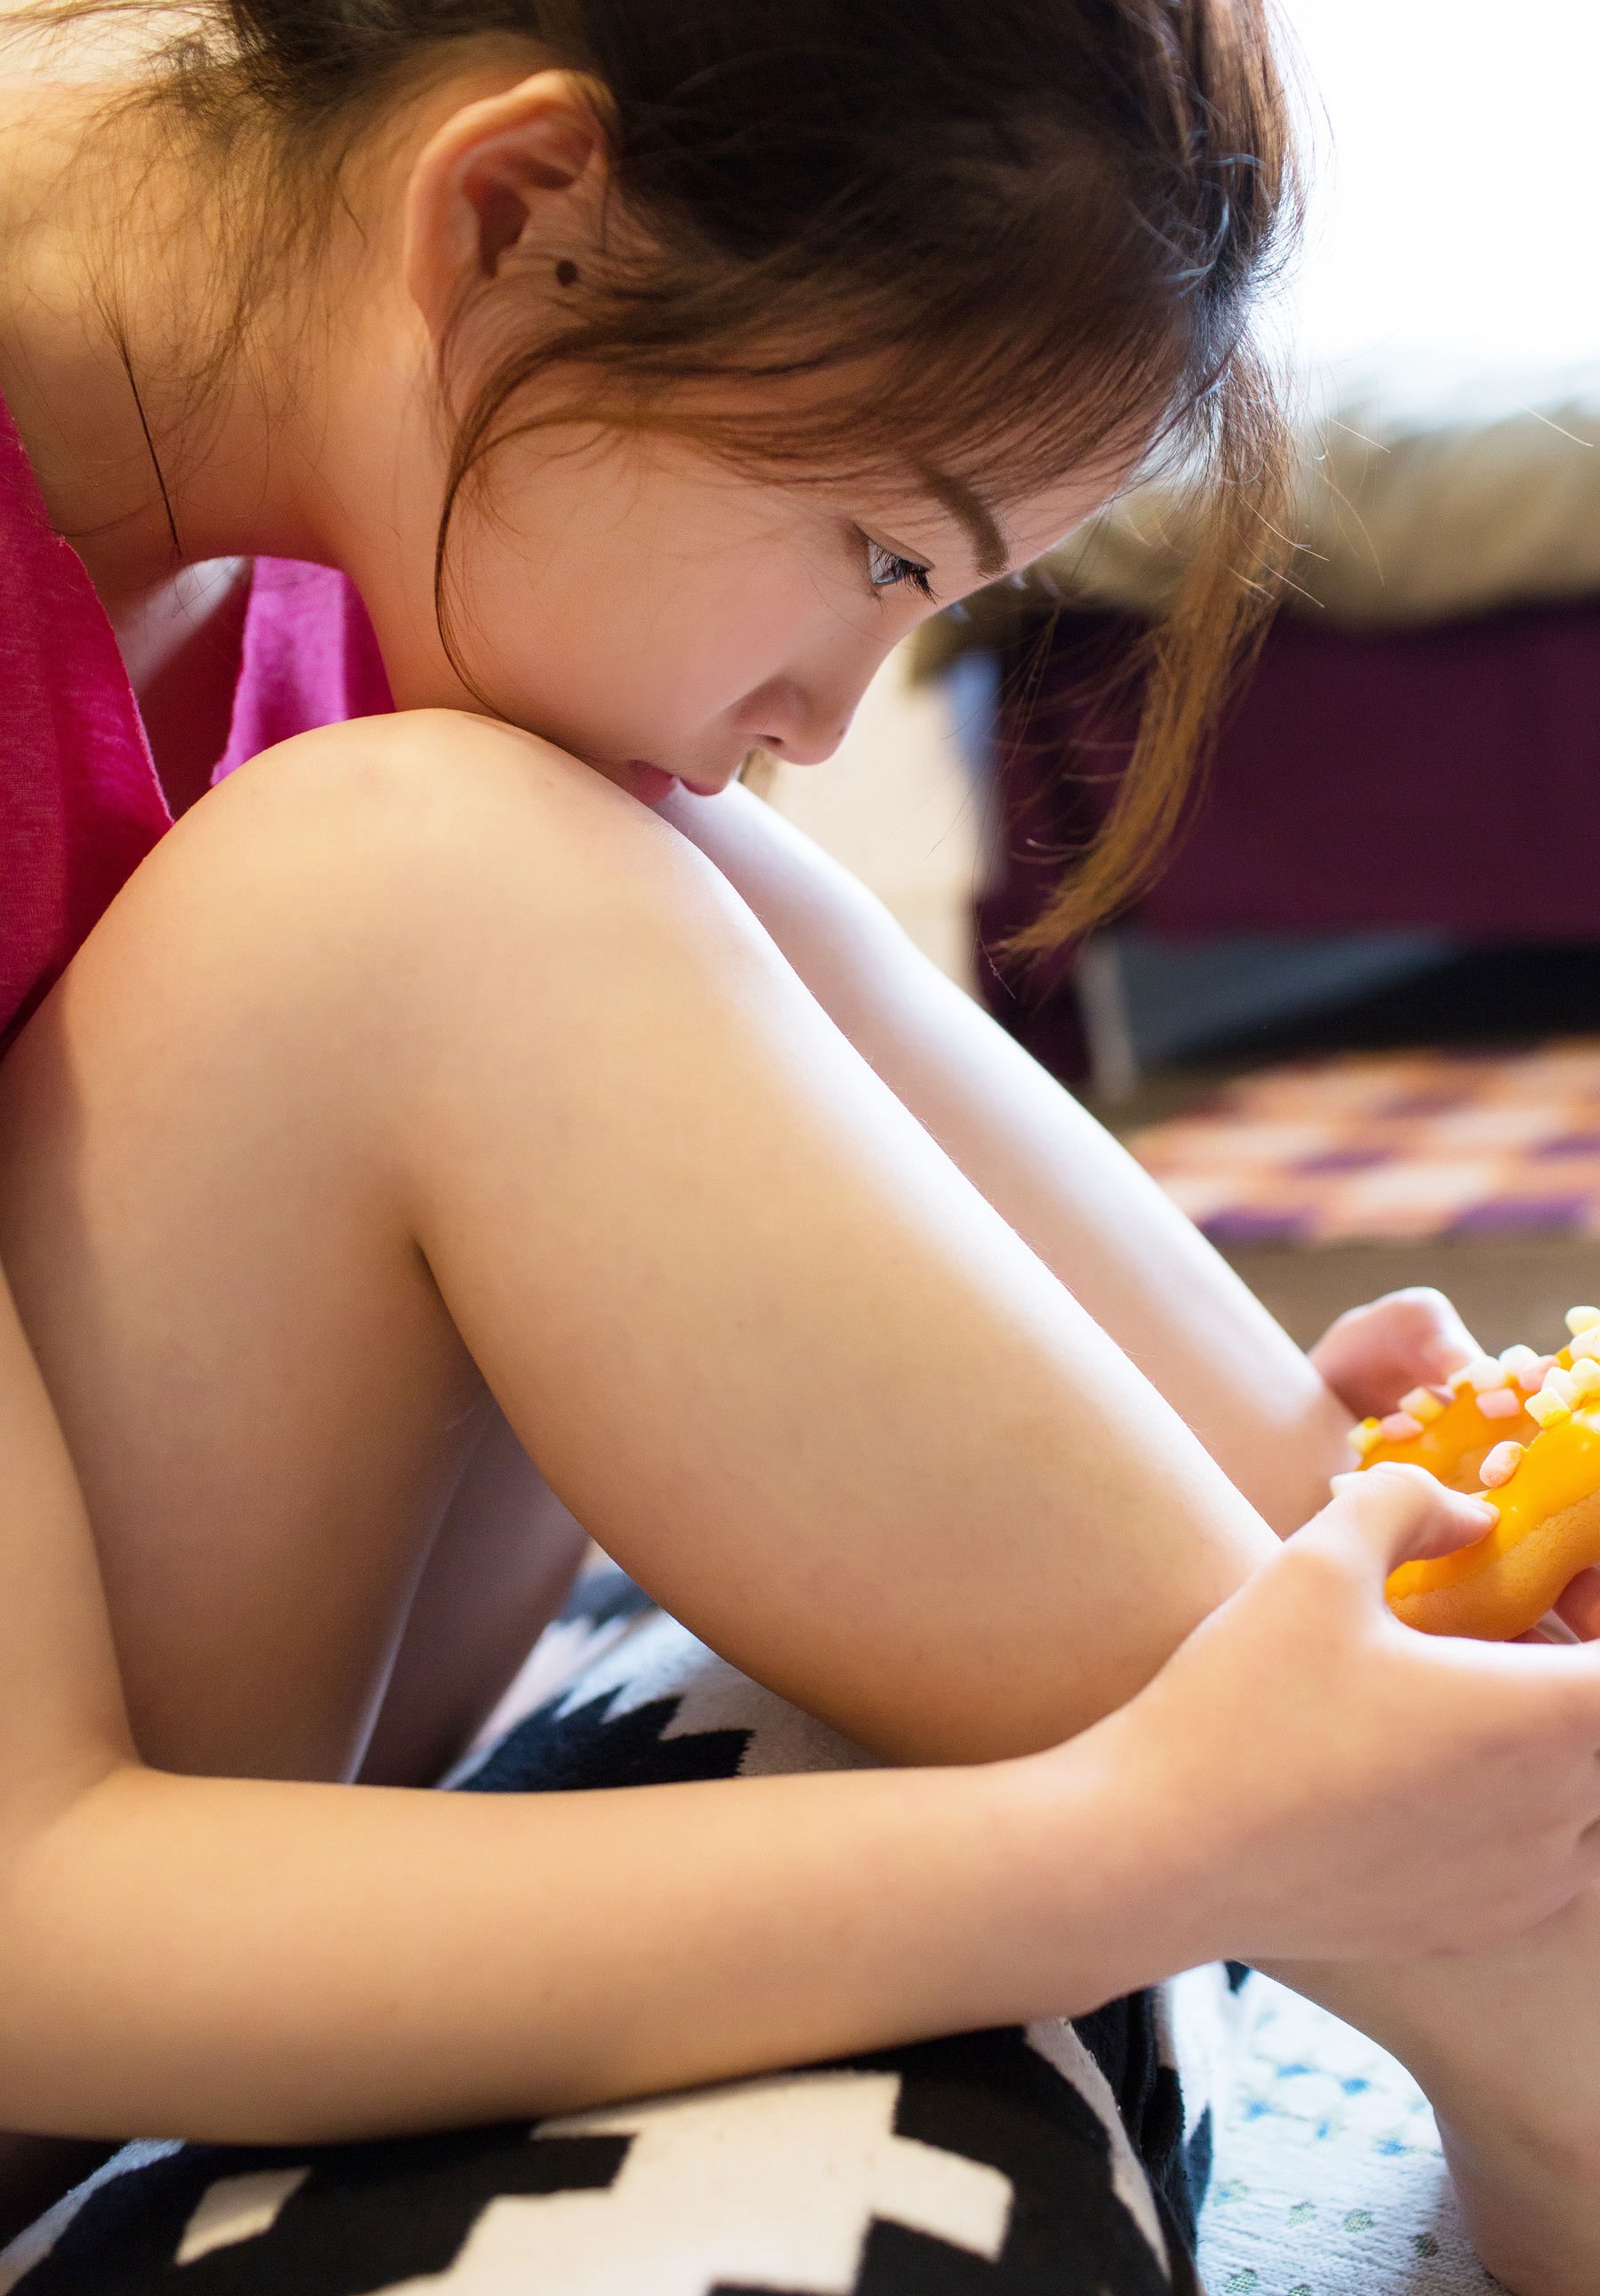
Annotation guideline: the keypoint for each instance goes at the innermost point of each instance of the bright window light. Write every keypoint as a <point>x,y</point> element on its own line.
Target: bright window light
<point>1456,196</point>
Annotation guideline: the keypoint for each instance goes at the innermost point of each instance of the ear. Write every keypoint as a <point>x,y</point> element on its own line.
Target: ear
<point>507,177</point>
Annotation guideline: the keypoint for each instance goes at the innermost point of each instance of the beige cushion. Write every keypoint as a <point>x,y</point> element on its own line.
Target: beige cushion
<point>1426,492</point>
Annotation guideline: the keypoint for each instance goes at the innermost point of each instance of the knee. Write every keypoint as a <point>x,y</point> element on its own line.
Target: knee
<point>395,817</point>
<point>377,876</point>
<point>348,854</point>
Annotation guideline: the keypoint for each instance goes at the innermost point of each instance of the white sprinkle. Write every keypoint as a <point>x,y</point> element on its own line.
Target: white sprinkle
<point>1586,1343</point>
<point>1500,1465</point>
<point>1585,1376</point>
<point>1562,1385</point>
<point>1366,1437</point>
<point>1505,1403</point>
<point>1547,1408</point>
<point>1423,1404</point>
<point>1483,1373</point>
<point>1582,1319</point>
<point>1516,1359</point>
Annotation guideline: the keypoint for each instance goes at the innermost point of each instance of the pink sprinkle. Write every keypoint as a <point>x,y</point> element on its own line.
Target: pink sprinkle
<point>1531,1377</point>
<point>1504,1403</point>
<point>1400,1427</point>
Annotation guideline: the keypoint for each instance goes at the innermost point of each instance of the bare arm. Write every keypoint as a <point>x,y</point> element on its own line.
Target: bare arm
<point>260,1961</point>
<point>1143,1271</point>
<point>267,1961</point>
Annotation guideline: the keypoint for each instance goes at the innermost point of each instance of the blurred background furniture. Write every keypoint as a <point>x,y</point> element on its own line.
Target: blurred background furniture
<point>1432,676</point>
<point>1394,846</point>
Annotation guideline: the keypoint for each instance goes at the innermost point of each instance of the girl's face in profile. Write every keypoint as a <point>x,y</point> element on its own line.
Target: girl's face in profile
<point>626,593</point>
<point>634,599</point>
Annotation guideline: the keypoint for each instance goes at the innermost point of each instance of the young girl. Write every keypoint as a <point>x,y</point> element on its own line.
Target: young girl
<point>483,1120</point>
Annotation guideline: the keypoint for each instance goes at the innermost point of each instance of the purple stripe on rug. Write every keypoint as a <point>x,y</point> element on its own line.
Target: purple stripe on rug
<point>1523,1216</point>
<point>1246,1224</point>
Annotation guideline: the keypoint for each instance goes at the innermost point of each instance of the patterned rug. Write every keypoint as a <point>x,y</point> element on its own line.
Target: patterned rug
<point>1328,2178</point>
<point>1391,1147</point>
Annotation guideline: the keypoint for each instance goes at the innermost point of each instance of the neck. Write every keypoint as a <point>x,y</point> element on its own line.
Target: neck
<point>150,452</point>
<point>310,429</point>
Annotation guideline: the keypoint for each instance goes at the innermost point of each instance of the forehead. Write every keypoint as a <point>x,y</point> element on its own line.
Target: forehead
<point>997,537</point>
<point>1032,526</point>
<point>837,434</point>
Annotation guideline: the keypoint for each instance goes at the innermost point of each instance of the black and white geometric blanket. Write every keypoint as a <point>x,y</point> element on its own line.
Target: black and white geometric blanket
<point>1046,2161</point>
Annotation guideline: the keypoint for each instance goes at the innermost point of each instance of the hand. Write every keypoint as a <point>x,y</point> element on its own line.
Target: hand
<point>1374,1355</point>
<point>1341,1787</point>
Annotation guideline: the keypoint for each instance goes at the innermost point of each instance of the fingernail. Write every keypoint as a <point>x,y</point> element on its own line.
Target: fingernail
<point>1337,1483</point>
<point>1488,1510</point>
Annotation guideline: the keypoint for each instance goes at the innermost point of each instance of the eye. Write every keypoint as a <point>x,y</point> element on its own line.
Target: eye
<point>886,568</point>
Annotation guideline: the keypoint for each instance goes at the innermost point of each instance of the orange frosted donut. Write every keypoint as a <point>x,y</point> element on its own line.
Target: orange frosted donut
<point>1524,1432</point>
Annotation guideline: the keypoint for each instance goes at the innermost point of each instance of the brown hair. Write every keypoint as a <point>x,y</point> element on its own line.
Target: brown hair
<point>992,242</point>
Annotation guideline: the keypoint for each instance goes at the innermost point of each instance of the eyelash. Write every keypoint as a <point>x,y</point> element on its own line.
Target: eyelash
<point>885,569</point>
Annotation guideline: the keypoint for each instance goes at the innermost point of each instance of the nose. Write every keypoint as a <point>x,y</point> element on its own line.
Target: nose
<point>813,752</point>
<point>804,724</point>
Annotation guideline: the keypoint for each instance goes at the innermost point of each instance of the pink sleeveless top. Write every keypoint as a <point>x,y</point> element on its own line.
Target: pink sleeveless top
<point>80,805</point>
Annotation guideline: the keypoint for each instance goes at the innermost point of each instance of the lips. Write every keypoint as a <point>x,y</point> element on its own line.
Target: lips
<point>651,784</point>
<point>654,782</point>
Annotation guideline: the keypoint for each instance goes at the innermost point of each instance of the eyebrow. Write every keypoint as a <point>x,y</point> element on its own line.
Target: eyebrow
<point>971,512</point>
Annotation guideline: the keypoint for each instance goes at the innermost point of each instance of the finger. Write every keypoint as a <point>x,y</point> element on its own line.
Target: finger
<point>1441,1340</point>
<point>1392,1514</point>
<point>1375,1354</point>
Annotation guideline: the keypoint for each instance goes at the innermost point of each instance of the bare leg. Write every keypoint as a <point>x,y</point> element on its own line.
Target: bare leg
<point>1507,2043</point>
<point>1144,1272</point>
<point>377,1085</point>
<point>460,1024</point>
<point>499,1569</point>
<point>424,1030</point>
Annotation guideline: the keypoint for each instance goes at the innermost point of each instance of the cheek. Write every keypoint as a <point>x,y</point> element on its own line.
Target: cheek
<point>617,652</point>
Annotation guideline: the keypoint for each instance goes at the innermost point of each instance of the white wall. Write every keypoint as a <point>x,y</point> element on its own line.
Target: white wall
<point>1457,197</point>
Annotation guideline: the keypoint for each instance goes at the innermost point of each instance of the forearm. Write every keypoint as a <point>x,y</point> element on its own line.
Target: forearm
<point>1073,1195</point>
<point>284,1963</point>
